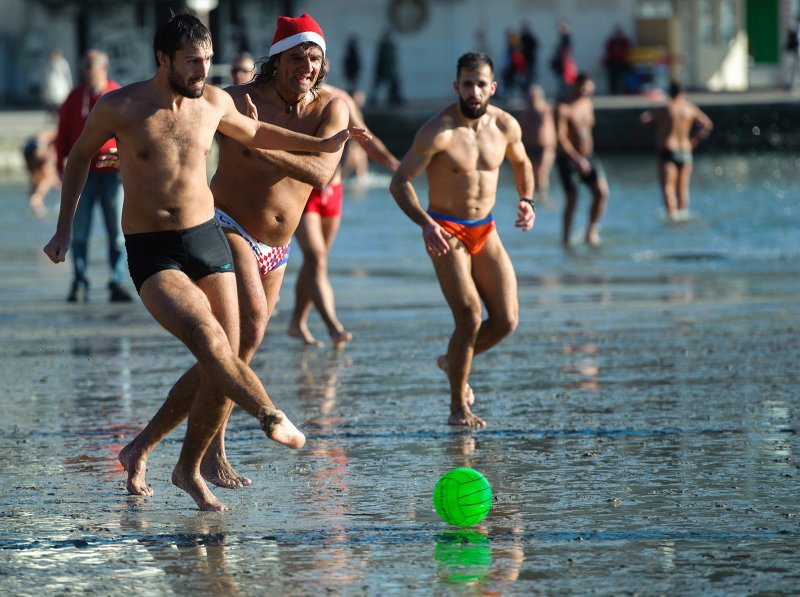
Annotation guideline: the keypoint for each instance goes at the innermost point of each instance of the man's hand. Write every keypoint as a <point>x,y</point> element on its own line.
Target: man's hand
<point>333,144</point>
<point>435,238</point>
<point>252,111</point>
<point>526,216</point>
<point>57,248</point>
<point>109,159</point>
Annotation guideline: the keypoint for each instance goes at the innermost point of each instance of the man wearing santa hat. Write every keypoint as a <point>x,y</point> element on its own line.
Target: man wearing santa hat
<point>259,196</point>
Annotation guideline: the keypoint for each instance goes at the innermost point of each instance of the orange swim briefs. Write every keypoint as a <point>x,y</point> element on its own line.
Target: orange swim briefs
<point>473,233</point>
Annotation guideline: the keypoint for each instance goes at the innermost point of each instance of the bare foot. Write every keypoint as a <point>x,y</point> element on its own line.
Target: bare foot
<point>279,428</point>
<point>469,395</point>
<point>304,335</point>
<point>466,418</point>
<point>593,238</point>
<point>219,472</point>
<point>194,485</point>
<point>341,338</point>
<point>135,464</point>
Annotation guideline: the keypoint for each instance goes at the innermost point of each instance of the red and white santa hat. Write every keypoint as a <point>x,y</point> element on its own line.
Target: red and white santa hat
<point>292,32</point>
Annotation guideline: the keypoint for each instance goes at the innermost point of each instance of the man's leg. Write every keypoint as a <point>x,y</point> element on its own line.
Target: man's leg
<point>191,315</point>
<point>570,203</point>
<point>176,407</point>
<point>599,190</point>
<point>667,177</point>
<point>496,282</point>
<point>81,229</point>
<point>453,270</point>
<point>257,296</point>
<point>315,235</point>
<point>684,177</point>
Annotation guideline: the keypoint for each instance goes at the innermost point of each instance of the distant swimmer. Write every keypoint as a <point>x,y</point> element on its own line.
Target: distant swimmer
<point>461,150</point>
<point>539,137</point>
<point>680,127</point>
<point>576,161</point>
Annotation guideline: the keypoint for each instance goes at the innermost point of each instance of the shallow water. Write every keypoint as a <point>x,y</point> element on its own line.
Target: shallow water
<point>643,419</point>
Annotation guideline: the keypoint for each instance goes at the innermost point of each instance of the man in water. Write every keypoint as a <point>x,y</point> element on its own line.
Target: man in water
<point>539,138</point>
<point>179,258</point>
<point>576,161</point>
<point>461,149</point>
<point>680,127</point>
<point>259,197</point>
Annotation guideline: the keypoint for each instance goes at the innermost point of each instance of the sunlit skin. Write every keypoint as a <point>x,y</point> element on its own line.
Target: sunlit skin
<point>265,192</point>
<point>165,127</point>
<point>461,150</point>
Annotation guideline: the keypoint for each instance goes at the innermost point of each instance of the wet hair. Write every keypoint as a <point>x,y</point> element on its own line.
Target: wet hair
<point>265,67</point>
<point>473,60</point>
<point>675,89</point>
<point>171,35</point>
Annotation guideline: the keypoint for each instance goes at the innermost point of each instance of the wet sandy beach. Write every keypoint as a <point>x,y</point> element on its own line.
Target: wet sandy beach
<point>643,419</point>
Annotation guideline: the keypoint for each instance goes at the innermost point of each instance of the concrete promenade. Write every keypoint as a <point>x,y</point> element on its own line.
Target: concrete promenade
<point>749,120</point>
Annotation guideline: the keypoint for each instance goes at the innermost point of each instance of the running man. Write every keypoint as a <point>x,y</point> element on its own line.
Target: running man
<point>317,232</point>
<point>259,197</point>
<point>576,161</point>
<point>680,127</point>
<point>179,258</point>
<point>461,149</point>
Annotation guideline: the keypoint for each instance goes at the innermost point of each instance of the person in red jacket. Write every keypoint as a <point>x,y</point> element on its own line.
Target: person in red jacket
<point>102,186</point>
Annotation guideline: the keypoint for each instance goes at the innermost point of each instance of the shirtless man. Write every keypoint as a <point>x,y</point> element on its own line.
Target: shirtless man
<point>180,260</point>
<point>539,138</point>
<point>461,149</point>
<point>680,127</point>
<point>259,196</point>
<point>316,233</point>
<point>576,161</point>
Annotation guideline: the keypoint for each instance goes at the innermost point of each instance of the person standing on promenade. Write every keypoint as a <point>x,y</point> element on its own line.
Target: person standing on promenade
<point>259,197</point>
<point>680,127</point>
<point>316,234</point>
<point>461,150</point>
<point>102,186</point>
<point>56,82</point>
<point>243,69</point>
<point>539,138</point>
<point>179,258</point>
<point>576,161</point>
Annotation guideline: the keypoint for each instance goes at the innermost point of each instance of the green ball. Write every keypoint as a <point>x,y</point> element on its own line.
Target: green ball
<point>462,497</point>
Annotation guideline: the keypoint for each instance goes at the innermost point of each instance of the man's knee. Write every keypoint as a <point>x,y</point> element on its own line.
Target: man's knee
<point>253,329</point>
<point>209,340</point>
<point>468,319</point>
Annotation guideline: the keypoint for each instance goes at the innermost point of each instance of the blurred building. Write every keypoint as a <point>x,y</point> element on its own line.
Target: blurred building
<point>714,45</point>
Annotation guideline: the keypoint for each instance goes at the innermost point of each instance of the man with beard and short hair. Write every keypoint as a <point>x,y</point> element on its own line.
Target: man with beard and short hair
<point>178,255</point>
<point>461,150</point>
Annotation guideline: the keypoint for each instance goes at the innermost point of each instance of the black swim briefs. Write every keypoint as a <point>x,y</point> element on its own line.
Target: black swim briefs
<point>197,251</point>
<point>571,176</point>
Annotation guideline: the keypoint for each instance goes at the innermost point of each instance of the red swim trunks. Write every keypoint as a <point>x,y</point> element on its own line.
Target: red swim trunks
<point>473,233</point>
<point>326,202</point>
